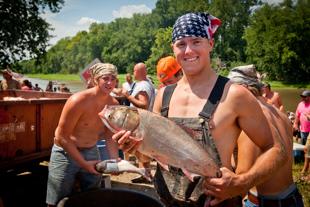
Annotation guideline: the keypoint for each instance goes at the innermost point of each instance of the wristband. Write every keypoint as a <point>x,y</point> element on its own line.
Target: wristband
<point>129,97</point>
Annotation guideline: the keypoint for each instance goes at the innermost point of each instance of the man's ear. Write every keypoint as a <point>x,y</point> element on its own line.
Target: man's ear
<point>245,86</point>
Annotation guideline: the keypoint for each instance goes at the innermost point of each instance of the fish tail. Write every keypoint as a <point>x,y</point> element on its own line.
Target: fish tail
<point>147,173</point>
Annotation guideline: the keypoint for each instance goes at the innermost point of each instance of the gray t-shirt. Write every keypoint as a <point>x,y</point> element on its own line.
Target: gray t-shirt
<point>149,88</point>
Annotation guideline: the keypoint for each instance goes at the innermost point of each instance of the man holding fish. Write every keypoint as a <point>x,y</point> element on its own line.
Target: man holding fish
<point>79,127</point>
<point>220,110</point>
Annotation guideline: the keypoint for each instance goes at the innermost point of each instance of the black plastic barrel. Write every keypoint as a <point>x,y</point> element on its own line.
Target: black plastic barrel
<point>110,197</point>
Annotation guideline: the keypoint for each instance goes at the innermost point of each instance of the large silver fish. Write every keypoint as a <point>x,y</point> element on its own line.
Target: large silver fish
<point>164,140</point>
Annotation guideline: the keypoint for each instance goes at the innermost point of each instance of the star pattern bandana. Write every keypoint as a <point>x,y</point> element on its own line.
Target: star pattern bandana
<point>195,25</point>
<point>101,69</point>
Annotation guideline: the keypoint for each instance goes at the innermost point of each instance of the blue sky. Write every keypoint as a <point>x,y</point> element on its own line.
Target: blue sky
<point>77,15</point>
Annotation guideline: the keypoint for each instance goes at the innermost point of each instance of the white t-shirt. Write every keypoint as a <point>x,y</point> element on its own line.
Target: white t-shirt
<point>127,86</point>
<point>149,88</point>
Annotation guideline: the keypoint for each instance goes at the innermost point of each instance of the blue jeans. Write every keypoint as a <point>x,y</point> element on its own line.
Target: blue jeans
<point>304,136</point>
<point>248,203</point>
<point>62,171</point>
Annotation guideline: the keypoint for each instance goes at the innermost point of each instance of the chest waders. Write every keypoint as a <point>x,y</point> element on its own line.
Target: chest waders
<point>172,186</point>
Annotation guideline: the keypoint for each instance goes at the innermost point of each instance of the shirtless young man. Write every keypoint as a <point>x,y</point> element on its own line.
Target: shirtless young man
<point>237,110</point>
<point>273,96</point>
<point>280,186</point>
<point>79,127</point>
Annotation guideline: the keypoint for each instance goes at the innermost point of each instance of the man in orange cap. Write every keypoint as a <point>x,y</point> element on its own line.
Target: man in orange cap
<point>168,71</point>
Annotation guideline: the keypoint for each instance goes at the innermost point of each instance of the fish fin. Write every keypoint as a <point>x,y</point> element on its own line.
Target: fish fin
<point>190,174</point>
<point>110,161</point>
<point>146,172</point>
<point>190,132</point>
<point>163,165</point>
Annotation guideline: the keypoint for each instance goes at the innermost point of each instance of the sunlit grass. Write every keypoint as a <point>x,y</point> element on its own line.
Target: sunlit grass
<point>303,187</point>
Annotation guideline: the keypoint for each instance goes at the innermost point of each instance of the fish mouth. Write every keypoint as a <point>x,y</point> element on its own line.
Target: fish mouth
<point>108,125</point>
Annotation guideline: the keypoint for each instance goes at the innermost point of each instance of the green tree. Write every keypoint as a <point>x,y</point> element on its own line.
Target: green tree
<point>278,40</point>
<point>23,30</point>
<point>234,15</point>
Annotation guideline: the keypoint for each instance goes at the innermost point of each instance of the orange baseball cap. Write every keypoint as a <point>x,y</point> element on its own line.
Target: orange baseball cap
<point>166,68</point>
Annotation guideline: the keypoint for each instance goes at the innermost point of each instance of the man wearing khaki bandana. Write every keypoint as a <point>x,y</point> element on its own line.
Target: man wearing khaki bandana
<point>79,127</point>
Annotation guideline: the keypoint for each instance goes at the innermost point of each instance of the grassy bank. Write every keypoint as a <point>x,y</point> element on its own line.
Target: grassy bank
<point>303,187</point>
<point>121,77</point>
<point>76,77</point>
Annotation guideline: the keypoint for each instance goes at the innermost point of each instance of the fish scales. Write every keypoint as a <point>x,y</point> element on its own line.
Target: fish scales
<point>163,140</point>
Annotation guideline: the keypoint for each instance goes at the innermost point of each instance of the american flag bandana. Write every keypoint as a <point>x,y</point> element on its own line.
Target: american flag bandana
<point>195,25</point>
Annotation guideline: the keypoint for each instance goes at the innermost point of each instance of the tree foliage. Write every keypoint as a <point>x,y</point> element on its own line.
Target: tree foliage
<point>277,40</point>
<point>23,30</point>
<point>273,37</point>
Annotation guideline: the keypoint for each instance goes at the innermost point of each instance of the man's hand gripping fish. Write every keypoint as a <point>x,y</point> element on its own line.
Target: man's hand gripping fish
<point>164,140</point>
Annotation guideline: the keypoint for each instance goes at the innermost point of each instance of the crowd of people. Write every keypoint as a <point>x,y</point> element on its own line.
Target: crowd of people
<point>256,165</point>
<point>26,85</point>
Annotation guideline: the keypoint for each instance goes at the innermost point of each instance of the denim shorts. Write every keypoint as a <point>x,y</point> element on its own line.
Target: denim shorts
<point>292,189</point>
<point>62,171</point>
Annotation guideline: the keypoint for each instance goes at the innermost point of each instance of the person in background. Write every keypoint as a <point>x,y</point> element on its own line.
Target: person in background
<point>304,124</point>
<point>25,85</point>
<point>129,85</point>
<point>64,89</point>
<point>143,96</point>
<point>8,82</point>
<point>90,83</point>
<point>116,91</point>
<point>307,157</point>
<point>273,96</point>
<point>49,87</point>
<point>303,107</point>
<point>219,110</point>
<point>168,71</point>
<point>37,88</point>
<point>280,188</point>
<point>151,80</point>
<point>75,148</point>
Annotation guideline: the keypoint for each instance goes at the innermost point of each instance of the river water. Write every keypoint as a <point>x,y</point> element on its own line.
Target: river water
<point>290,96</point>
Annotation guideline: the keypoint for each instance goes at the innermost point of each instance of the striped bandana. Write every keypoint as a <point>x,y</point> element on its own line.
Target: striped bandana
<point>101,69</point>
<point>195,25</point>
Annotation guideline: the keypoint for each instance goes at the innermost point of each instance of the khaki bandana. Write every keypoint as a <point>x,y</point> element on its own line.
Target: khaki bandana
<point>101,69</point>
<point>245,75</point>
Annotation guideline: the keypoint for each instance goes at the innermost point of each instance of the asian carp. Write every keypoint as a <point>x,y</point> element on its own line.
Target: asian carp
<point>162,139</point>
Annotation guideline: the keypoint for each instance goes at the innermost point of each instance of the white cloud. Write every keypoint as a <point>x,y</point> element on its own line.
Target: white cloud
<point>273,1</point>
<point>62,29</point>
<point>86,21</point>
<point>128,11</point>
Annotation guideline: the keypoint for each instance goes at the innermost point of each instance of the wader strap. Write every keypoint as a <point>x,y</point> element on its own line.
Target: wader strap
<point>166,99</point>
<point>214,98</point>
<point>205,115</point>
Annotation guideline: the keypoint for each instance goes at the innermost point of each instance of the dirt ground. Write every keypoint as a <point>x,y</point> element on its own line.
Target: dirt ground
<point>26,186</point>
<point>123,181</point>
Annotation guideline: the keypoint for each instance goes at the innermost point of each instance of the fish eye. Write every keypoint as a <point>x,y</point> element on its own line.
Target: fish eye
<point>110,116</point>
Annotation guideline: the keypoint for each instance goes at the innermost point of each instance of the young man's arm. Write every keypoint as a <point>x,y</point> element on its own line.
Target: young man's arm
<point>112,146</point>
<point>68,119</point>
<point>141,100</point>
